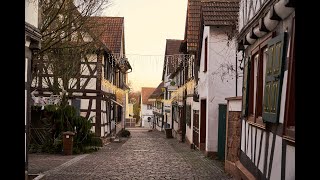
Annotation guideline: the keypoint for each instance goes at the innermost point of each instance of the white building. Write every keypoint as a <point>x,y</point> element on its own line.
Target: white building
<point>217,74</point>
<point>146,107</point>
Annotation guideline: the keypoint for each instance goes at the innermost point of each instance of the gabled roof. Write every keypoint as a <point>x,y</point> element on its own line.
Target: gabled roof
<point>172,48</point>
<point>109,30</point>
<point>157,92</point>
<point>193,25</point>
<point>145,93</point>
<point>220,12</point>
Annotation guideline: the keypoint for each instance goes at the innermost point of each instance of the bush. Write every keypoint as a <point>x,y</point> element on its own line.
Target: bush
<point>63,118</point>
<point>124,133</point>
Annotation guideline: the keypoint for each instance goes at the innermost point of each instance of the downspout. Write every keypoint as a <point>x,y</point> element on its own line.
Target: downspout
<point>236,74</point>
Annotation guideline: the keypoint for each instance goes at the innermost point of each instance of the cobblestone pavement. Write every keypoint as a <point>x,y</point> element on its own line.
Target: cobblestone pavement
<point>146,155</point>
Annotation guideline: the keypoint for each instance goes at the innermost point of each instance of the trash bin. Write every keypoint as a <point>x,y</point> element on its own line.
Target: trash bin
<point>68,142</point>
<point>168,132</point>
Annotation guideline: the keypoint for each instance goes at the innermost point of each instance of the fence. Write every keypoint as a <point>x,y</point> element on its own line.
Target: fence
<point>130,122</point>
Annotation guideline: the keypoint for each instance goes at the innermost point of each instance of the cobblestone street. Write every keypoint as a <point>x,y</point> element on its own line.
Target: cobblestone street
<point>146,155</point>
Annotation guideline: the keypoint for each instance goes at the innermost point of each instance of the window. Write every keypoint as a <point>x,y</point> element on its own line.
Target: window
<point>149,106</point>
<point>289,117</point>
<point>205,55</point>
<point>257,82</point>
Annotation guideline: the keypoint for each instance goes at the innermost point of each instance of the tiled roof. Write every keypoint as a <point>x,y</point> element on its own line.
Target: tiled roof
<point>109,30</point>
<point>145,93</point>
<point>172,48</point>
<point>193,24</point>
<point>220,12</point>
<point>157,92</point>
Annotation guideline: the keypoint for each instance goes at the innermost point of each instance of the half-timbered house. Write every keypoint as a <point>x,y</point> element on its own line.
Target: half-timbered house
<point>157,108</point>
<point>172,49</point>
<point>267,40</point>
<point>100,86</point>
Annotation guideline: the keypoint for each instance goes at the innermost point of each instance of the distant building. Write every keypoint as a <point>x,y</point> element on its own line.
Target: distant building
<point>146,107</point>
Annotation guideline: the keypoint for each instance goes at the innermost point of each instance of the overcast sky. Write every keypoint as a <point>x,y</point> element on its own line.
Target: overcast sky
<point>148,23</point>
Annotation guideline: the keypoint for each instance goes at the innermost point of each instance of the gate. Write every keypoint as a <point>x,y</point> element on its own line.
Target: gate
<point>130,122</point>
<point>222,130</point>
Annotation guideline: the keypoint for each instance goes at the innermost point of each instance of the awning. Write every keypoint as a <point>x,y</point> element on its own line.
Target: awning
<point>116,102</point>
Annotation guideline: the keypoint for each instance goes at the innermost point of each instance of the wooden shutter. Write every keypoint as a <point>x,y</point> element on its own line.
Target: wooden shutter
<point>274,77</point>
<point>245,88</point>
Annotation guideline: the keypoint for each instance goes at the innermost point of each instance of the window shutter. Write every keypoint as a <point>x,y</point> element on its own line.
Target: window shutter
<point>274,77</point>
<point>76,103</point>
<point>245,88</point>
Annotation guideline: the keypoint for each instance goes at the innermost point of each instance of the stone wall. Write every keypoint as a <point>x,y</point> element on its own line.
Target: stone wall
<point>233,136</point>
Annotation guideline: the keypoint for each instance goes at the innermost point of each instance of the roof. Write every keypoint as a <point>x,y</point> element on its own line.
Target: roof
<point>172,48</point>
<point>145,93</point>
<point>220,12</point>
<point>193,24</point>
<point>109,30</point>
<point>157,92</point>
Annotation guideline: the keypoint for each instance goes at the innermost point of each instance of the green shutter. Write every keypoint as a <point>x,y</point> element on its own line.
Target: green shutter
<point>245,88</point>
<point>274,77</point>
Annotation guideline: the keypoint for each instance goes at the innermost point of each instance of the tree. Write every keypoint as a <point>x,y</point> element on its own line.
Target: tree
<point>67,37</point>
<point>134,98</point>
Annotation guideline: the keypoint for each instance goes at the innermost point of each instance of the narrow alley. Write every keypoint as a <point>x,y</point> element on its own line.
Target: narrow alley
<point>145,155</point>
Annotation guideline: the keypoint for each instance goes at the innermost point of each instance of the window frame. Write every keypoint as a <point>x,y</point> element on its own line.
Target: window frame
<point>289,117</point>
<point>254,118</point>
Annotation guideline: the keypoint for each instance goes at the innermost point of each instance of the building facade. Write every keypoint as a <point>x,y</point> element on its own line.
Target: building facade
<point>267,40</point>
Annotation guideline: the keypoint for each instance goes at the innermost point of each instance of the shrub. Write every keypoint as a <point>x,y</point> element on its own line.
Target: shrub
<point>124,133</point>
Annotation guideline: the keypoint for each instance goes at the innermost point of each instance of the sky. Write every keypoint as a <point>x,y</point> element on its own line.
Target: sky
<point>147,25</point>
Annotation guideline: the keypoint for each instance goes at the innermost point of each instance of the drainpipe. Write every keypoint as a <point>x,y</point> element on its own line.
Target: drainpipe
<point>236,74</point>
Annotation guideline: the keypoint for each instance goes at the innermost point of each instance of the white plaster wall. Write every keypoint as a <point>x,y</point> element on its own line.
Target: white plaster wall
<point>91,84</point>
<point>190,128</point>
<point>211,86</point>
<point>34,82</point>
<point>257,146</point>
<point>283,97</point>
<point>254,129</point>
<point>91,58</point>
<point>276,162</point>
<point>85,69</point>
<point>242,146</point>
<point>46,81</point>
<point>145,113</point>
<point>175,126</point>
<point>235,105</point>
<point>129,110</point>
<point>249,142</point>
<point>93,114</point>
<point>290,163</point>
<point>263,150</point>
<point>269,150</point>
<point>85,104</point>
<point>31,12</point>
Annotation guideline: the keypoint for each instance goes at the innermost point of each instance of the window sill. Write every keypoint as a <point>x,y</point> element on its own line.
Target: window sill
<point>258,123</point>
<point>288,138</point>
<point>290,134</point>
